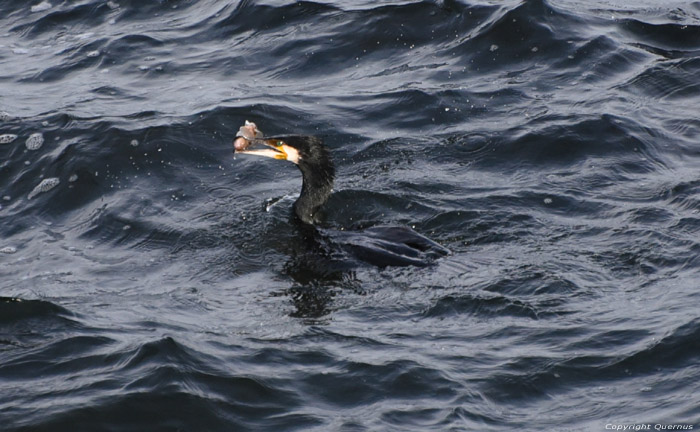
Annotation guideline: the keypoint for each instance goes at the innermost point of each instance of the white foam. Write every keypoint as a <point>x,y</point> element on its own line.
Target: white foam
<point>7,138</point>
<point>73,178</point>
<point>35,141</point>
<point>8,249</point>
<point>4,116</point>
<point>44,186</point>
<point>41,7</point>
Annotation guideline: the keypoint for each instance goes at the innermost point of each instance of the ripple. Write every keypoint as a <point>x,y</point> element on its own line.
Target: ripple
<point>15,309</point>
<point>668,80</point>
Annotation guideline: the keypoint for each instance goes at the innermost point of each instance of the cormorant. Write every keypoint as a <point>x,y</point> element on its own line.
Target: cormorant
<point>380,245</point>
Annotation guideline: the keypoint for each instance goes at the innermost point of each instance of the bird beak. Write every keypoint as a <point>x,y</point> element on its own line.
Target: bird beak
<point>276,148</point>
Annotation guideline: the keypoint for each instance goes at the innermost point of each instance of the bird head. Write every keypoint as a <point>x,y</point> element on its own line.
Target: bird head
<point>307,152</point>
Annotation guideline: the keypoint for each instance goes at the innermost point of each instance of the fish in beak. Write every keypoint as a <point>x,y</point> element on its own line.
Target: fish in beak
<point>249,137</point>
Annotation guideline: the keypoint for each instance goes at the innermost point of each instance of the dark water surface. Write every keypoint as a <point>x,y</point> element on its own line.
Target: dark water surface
<point>154,282</point>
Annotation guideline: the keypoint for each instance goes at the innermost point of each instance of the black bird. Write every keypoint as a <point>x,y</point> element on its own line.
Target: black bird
<point>380,245</point>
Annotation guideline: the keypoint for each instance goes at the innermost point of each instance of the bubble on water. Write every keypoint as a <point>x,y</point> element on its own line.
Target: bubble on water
<point>547,200</point>
<point>41,7</point>
<point>493,48</point>
<point>35,141</point>
<point>7,138</point>
<point>45,186</point>
<point>73,178</point>
<point>134,143</point>
<point>8,249</point>
<point>45,123</point>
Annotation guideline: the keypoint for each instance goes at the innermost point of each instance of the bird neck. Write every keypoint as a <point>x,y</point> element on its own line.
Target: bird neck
<point>316,187</point>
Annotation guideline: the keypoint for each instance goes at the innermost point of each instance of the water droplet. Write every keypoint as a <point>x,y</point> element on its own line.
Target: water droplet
<point>35,141</point>
<point>7,138</point>
<point>44,186</point>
